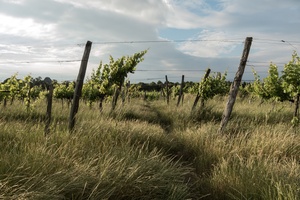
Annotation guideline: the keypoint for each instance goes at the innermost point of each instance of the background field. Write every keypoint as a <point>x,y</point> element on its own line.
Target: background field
<point>151,150</point>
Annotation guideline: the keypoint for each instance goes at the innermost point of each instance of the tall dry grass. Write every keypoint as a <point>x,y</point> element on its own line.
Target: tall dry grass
<point>150,150</point>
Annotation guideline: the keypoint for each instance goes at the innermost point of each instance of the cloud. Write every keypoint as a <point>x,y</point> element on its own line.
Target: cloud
<point>210,44</point>
<point>27,27</point>
<point>147,11</point>
<point>35,30</point>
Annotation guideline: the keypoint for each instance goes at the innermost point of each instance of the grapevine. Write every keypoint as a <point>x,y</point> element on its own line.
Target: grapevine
<point>212,86</point>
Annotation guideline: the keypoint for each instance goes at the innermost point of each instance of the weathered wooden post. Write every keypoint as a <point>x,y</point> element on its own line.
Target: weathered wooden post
<point>49,85</point>
<point>115,98</point>
<point>127,91</point>
<point>5,97</point>
<point>180,97</point>
<point>198,94</point>
<point>79,84</point>
<point>124,92</point>
<point>235,85</point>
<point>167,90</point>
<point>145,96</point>
<point>4,102</point>
<point>296,112</point>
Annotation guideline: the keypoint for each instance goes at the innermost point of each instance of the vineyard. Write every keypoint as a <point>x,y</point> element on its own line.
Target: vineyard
<point>161,140</point>
<point>108,82</point>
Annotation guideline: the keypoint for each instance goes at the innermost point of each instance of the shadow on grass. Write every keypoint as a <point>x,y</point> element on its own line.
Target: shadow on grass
<point>206,114</point>
<point>23,116</point>
<point>199,158</point>
<point>28,117</point>
<point>151,115</point>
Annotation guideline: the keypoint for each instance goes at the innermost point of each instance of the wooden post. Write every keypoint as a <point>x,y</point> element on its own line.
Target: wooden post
<point>167,90</point>
<point>115,97</point>
<point>198,94</point>
<point>297,100</point>
<point>49,85</point>
<point>28,100</point>
<point>79,84</point>
<point>180,91</point>
<point>145,96</point>
<point>235,85</point>
<point>124,92</point>
<point>5,97</point>
<point>4,102</point>
<point>162,92</point>
<point>127,91</point>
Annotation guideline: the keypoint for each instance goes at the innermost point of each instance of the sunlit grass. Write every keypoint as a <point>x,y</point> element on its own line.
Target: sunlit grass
<point>150,150</point>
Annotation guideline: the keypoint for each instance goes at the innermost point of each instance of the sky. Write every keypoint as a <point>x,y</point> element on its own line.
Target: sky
<point>46,38</point>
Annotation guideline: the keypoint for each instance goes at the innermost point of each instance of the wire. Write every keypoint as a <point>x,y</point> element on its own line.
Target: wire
<point>260,62</point>
<point>40,61</point>
<point>240,40</point>
<point>164,41</point>
<point>289,44</point>
<point>166,70</point>
<point>261,40</point>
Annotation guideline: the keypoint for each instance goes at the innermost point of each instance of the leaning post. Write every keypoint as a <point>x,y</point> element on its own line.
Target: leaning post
<point>180,97</point>
<point>235,85</point>
<point>49,85</point>
<point>198,93</point>
<point>79,84</point>
<point>167,90</point>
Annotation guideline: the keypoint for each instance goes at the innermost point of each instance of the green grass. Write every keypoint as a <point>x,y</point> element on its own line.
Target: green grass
<point>150,150</point>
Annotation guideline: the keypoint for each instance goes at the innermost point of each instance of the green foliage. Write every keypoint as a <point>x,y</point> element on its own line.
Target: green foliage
<point>272,87</point>
<point>134,91</point>
<point>291,76</point>
<point>109,76</point>
<point>120,68</point>
<point>213,85</point>
<point>258,87</point>
<point>279,87</point>
<point>4,92</point>
<point>175,91</point>
<point>22,89</point>
<point>90,92</point>
<point>153,95</point>
<point>25,88</point>
<point>64,90</point>
<point>13,86</point>
<point>191,88</point>
<point>245,90</point>
<point>101,79</point>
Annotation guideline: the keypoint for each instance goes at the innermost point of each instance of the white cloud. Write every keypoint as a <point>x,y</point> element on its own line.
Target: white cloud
<point>14,1</point>
<point>50,30</point>
<point>25,27</point>
<point>210,44</point>
<point>148,11</point>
